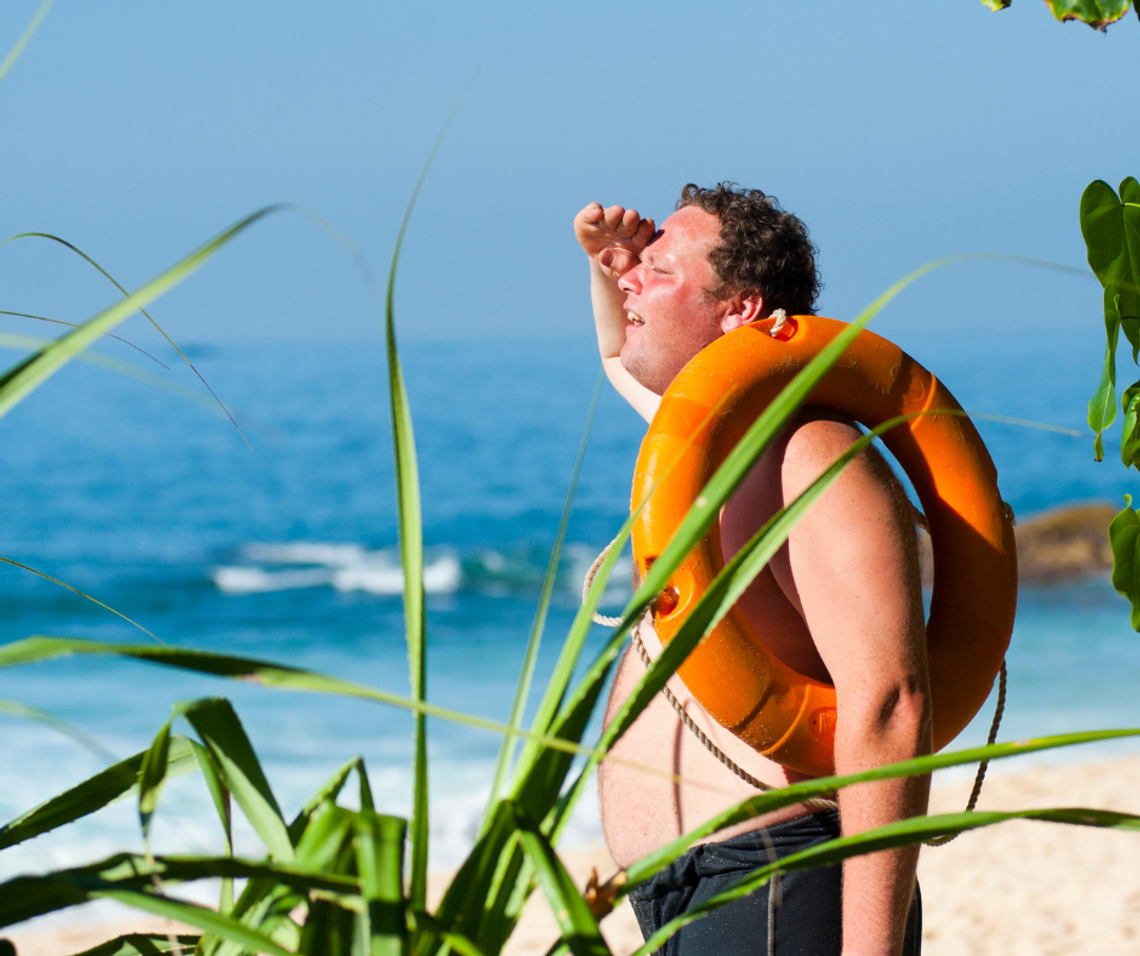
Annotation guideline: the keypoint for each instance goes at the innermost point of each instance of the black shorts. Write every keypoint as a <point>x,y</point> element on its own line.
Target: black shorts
<point>808,907</point>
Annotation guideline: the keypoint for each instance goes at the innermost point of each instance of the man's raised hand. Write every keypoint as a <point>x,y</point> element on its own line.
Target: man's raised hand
<point>613,237</point>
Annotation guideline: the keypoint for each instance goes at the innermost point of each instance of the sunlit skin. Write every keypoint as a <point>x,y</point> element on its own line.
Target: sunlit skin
<point>840,601</point>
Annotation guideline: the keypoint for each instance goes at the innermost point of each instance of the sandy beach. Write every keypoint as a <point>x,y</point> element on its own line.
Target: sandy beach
<point>1017,888</point>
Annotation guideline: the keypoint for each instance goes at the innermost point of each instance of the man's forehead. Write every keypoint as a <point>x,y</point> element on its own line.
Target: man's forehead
<point>689,230</point>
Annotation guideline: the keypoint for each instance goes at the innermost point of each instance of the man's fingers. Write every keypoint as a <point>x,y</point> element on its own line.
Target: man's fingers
<point>645,231</point>
<point>629,224</point>
<point>592,213</point>
<point>613,217</point>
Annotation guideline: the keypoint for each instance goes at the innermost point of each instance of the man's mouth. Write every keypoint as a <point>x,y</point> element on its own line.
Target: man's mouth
<point>634,318</point>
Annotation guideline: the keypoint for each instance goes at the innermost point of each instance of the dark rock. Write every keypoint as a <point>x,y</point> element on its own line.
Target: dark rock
<point>1063,544</point>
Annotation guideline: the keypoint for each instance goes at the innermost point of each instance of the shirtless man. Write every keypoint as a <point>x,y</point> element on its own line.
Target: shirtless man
<point>840,602</point>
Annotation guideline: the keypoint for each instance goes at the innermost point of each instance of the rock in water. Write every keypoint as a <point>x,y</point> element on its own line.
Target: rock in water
<point>1062,544</point>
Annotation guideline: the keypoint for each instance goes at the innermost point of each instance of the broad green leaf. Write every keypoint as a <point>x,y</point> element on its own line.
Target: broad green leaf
<point>379,844</point>
<point>1110,226</point>
<point>1130,440</point>
<point>152,774</point>
<point>996,4</point>
<point>1096,13</point>
<point>578,926</point>
<point>221,731</point>
<point>1102,405</point>
<point>14,708</point>
<point>142,944</point>
<point>903,833</point>
<point>1124,536</point>
<point>113,784</point>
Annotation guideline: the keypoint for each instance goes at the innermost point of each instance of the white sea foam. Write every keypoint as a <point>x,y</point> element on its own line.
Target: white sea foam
<point>345,567</point>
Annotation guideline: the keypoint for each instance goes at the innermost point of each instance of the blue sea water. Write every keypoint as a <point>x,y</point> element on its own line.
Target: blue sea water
<point>155,506</point>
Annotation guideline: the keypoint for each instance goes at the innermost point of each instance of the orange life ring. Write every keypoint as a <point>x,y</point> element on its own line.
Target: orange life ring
<point>782,714</point>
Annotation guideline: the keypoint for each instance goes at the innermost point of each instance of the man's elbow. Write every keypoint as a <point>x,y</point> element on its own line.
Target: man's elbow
<point>898,716</point>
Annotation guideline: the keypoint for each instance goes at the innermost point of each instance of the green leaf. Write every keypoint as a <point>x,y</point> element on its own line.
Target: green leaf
<point>1124,536</point>
<point>996,4</point>
<point>19,381</point>
<point>15,708</point>
<point>25,38</point>
<point>1102,405</point>
<point>237,764</point>
<point>411,540</point>
<point>152,774</point>
<point>772,800</point>
<point>903,833</point>
<point>379,844</point>
<point>39,648</point>
<point>578,926</point>
<point>142,944</point>
<point>113,784</point>
<point>328,793</point>
<point>1110,226</point>
<point>530,658</point>
<point>220,794</point>
<point>1096,13</point>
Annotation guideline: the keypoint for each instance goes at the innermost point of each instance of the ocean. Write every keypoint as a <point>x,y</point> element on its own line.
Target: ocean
<point>155,506</point>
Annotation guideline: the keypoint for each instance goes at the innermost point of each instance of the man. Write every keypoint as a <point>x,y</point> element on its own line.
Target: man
<point>840,602</point>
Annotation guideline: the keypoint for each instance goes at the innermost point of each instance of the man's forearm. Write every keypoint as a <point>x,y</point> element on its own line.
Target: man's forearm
<point>609,316</point>
<point>877,888</point>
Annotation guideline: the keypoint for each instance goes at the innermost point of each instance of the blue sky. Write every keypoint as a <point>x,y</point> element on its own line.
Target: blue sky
<point>899,131</point>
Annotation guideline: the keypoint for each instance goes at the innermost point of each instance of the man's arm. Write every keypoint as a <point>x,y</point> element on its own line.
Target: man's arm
<point>851,568</point>
<point>613,238</point>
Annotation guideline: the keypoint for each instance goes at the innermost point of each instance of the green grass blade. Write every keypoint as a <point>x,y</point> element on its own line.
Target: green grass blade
<point>25,38</point>
<point>39,343</point>
<point>223,735</point>
<point>428,925</point>
<point>143,944</point>
<point>726,589</point>
<point>220,794</point>
<point>327,794</point>
<point>74,590</point>
<point>161,331</point>
<point>14,708</point>
<point>111,785</point>
<point>530,658</point>
<point>20,380</point>
<point>379,843</point>
<point>772,800</point>
<point>39,648</point>
<point>578,926</point>
<point>411,539</point>
<point>902,833</point>
<point>152,775</point>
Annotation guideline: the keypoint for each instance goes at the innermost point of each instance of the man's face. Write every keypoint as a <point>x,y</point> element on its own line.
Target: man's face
<point>669,304</point>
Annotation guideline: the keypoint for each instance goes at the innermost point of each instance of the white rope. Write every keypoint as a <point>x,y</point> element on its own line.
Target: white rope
<point>781,317</point>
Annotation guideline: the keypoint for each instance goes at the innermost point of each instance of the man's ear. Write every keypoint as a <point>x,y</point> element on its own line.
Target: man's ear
<point>742,309</point>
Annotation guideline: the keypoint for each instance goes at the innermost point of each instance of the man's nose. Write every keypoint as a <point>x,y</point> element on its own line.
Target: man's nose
<point>630,281</point>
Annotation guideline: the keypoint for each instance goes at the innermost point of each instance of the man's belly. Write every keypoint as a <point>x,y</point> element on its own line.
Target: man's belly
<point>677,782</point>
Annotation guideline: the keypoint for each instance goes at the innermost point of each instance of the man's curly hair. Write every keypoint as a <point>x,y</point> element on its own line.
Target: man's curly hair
<point>762,248</point>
